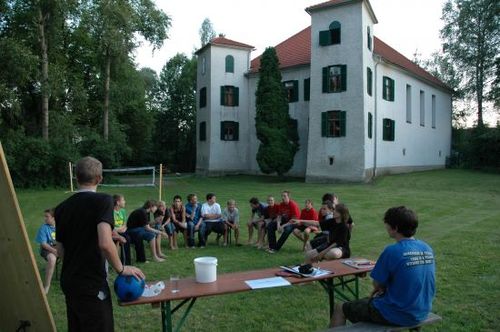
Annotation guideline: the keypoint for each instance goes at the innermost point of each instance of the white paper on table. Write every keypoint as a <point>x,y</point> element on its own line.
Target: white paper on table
<point>153,290</point>
<point>267,283</point>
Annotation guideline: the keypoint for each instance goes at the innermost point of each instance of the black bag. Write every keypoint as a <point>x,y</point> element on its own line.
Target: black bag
<point>320,242</point>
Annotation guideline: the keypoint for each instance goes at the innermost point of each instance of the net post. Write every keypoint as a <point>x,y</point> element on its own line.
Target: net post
<point>70,176</point>
<point>161,182</point>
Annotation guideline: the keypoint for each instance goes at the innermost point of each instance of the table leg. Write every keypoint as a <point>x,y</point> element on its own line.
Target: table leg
<point>329,287</point>
<point>166,317</point>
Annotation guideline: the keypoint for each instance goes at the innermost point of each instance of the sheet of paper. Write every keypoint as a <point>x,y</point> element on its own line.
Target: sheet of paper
<point>267,283</point>
<point>153,290</point>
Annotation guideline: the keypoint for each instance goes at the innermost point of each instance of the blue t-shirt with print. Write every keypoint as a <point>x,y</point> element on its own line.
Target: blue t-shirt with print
<point>46,234</point>
<point>407,270</point>
<point>197,212</point>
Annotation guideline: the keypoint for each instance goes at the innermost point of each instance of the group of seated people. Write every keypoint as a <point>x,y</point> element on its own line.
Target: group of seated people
<point>331,226</point>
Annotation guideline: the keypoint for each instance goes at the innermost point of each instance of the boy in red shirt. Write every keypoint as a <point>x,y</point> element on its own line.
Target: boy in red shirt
<point>288,210</point>
<point>307,223</point>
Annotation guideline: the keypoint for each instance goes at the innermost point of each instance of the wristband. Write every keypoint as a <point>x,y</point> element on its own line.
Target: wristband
<point>123,269</point>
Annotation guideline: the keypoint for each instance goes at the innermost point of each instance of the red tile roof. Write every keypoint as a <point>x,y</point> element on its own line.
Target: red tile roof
<point>296,50</point>
<point>223,41</point>
<point>391,55</point>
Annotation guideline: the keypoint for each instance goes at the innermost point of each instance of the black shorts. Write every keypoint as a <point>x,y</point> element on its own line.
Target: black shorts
<point>363,311</point>
<point>44,253</point>
<point>89,313</point>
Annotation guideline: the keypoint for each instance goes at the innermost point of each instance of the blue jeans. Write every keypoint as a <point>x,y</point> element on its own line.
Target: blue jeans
<point>190,232</point>
<point>207,227</point>
<point>271,234</point>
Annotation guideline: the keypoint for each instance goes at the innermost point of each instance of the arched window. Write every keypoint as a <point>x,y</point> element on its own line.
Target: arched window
<point>368,38</point>
<point>330,36</point>
<point>229,64</point>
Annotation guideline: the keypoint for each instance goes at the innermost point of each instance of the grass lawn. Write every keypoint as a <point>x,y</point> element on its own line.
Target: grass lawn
<point>459,213</point>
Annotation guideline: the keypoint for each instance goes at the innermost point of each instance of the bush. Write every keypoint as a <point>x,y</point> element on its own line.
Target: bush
<point>477,147</point>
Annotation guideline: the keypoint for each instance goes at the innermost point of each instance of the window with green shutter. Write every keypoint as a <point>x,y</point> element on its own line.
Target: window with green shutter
<point>229,64</point>
<point>229,131</point>
<point>334,78</point>
<point>368,38</point>
<point>229,95</point>
<point>203,97</point>
<point>203,131</point>
<point>307,89</point>
<point>333,124</point>
<point>388,131</point>
<point>330,36</point>
<point>388,88</point>
<point>292,90</point>
<point>369,81</point>
<point>370,125</point>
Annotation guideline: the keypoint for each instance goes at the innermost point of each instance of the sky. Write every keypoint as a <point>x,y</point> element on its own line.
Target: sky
<point>406,25</point>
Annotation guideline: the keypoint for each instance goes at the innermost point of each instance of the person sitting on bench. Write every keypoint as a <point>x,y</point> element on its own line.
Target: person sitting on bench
<point>403,278</point>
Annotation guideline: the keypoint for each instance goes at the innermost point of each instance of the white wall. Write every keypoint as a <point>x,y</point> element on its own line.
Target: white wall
<point>347,151</point>
<point>423,146</point>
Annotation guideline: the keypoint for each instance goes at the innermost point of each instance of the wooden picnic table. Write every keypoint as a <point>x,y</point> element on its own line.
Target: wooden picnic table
<point>343,282</point>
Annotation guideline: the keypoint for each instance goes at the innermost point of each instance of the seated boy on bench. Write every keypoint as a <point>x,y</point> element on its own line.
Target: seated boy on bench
<point>403,278</point>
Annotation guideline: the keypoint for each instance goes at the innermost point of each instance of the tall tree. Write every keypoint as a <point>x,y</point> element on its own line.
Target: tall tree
<point>207,32</point>
<point>471,36</point>
<point>176,126</point>
<point>116,24</point>
<point>276,131</point>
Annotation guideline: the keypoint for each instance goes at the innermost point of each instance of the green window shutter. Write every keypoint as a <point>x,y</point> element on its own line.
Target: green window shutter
<point>393,130</point>
<point>222,124</point>
<point>325,38</point>
<point>222,93</point>
<point>236,96</point>
<point>307,89</point>
<point>342,123</point>
<point>391,84</point>
<point>370,125</point>
<point>203,131</point>
<point>325,79</point>
<point>324,124</point>
<point>229,64</point>
<point>384,129</point>
<point>295,90</point>
<point>236,131</point>
<point>343,77</point>
<point>384,89</point>
<point>369,79</point>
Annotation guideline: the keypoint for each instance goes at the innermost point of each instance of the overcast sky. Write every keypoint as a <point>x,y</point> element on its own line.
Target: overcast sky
<point>406,25</point>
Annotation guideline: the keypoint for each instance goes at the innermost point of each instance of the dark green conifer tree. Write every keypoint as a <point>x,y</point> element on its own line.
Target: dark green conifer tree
<point>276,131</point>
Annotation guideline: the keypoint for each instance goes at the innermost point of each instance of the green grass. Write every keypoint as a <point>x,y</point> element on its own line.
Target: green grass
<point>459,213</point>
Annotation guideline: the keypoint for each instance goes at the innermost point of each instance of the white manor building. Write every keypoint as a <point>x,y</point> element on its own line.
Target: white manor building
<point>362,108</point>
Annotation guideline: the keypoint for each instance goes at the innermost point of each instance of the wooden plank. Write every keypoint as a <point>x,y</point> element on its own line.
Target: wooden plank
<point>371,327</point>
<point>22,295</point>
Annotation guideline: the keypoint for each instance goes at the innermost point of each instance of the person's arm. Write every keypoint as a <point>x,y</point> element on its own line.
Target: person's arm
<point>378,289</point>
<point>109,251</point>
<point>152,230</point>
<point>322,254</point>
<point>183,215</point>
<point>60,250</point>
<point>49,248</point>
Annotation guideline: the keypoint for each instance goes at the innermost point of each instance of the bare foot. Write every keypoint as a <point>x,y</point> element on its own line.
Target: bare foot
<point>158,259</point>
<point>161,255</point>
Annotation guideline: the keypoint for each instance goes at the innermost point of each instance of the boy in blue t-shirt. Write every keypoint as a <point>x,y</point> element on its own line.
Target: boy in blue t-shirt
<point>46,237</point>
<point>403,278</point>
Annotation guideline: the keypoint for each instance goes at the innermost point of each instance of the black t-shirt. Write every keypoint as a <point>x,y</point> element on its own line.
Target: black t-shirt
<point>83,271</point>
<point>138,218</point>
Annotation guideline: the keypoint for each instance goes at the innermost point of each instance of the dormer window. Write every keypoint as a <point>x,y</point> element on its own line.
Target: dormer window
<point>330,36</point>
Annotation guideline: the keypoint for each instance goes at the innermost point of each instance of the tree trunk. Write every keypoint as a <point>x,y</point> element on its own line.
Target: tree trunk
<point>45,75</point>
<point>106,97</point>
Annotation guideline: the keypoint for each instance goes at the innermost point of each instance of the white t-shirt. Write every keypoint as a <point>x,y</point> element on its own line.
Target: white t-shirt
<point>211,209</point>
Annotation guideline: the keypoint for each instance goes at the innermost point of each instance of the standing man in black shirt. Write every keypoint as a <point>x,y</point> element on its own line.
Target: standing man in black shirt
<point>84,240</point>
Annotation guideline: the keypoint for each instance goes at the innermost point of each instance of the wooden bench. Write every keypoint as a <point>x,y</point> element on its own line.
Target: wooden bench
<point>372,327</point>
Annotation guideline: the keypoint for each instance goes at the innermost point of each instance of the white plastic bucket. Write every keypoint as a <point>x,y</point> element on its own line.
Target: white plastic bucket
<point>205,269</point>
